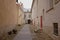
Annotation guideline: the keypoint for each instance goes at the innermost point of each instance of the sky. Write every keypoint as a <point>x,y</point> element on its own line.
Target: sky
<point>27,3</point>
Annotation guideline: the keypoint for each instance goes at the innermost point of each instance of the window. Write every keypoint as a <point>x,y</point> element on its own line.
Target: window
<point>56,1</point>
<point>55,28</point>
<point>50,6</point>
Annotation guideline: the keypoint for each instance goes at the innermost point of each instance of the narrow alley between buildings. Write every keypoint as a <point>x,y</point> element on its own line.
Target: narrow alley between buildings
<point>29,19</point>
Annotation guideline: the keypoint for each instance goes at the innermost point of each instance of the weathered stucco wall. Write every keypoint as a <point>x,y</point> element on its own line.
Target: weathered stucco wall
<point>20,14</point>
<point>48,17</point>
<point>34,14</point>
<point>8,15</point>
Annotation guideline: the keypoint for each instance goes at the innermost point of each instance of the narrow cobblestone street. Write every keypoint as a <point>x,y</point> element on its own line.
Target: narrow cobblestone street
<point>29,19</point>
<point>26,34</point>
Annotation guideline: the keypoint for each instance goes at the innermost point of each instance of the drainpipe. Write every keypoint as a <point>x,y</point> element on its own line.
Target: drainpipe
<point>41,23</point>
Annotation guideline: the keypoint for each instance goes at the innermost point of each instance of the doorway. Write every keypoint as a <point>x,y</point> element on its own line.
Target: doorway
<point>29,21</point>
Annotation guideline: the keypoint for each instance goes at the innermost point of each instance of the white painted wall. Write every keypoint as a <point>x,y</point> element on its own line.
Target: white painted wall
<point>48,18</point>
<point>34,16</point>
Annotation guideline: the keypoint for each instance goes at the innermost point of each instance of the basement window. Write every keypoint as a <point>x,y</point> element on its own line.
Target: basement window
<point>55,28</point>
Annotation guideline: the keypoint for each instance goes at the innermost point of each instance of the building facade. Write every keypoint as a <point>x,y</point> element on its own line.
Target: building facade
<point>20,13</point>
<point>8,16</point>
<point>45,16</point>
<point>27,16</point>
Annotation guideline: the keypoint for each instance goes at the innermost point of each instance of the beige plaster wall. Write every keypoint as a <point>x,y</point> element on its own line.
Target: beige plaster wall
<point>8,15</point>
<point>20,15</point>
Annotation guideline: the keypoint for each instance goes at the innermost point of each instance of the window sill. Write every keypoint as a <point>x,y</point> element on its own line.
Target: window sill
<point>57,2</point>
<point>49,10</point>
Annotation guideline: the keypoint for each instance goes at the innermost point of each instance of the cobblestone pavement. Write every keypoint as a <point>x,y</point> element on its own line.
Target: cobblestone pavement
<point>39,35</point>
<point>5,36</point>
<point>26,33</point>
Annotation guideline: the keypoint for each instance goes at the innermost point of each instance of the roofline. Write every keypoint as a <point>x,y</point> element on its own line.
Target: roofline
<point>19,6</point>
<point>32,5</point>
